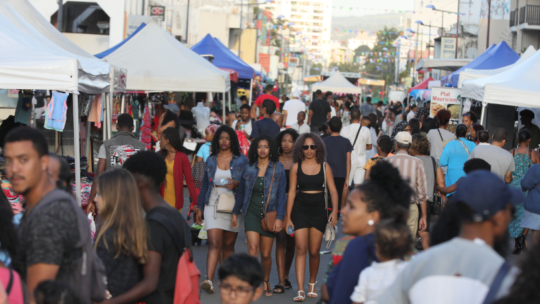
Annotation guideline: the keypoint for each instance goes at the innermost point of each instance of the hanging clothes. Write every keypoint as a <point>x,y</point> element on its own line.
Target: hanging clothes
<point>96,111</point>
<point>56,115</point>
<point>146,129</point>
<point>23,113</point>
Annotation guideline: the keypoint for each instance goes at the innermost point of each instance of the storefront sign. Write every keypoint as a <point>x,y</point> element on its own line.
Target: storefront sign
<point>448,48</point>
<point>449,99</point>
<point>158,12</point>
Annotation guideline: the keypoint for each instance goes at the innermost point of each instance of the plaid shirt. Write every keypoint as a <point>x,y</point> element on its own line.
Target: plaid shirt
<point>422,112</point>
<point>411,168</point>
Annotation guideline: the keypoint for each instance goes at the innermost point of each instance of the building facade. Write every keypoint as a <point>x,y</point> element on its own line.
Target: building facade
<point>524,24</point>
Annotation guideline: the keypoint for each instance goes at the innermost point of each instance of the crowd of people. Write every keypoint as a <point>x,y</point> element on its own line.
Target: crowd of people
<point>428,212</point>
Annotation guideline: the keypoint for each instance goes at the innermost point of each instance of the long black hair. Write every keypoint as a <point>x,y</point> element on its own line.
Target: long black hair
<point>8,237</point>
<point>170,116</point>
<point>235,145</point>
<point>172,135</point>
<point>280,135</point>
<point>253,156</point>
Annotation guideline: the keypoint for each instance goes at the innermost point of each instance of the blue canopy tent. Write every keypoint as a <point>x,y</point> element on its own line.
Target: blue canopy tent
<point>496,56</point>
<point>223,57</point>
<point>114,48</point>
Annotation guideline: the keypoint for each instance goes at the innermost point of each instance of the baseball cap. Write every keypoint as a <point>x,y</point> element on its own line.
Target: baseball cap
<point>172,107</point>
<point>296,94</point>
<point>403,137</point>
<point>485,194</point>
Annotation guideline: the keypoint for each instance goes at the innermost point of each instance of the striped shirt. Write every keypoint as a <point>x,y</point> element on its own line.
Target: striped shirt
<point>412,169</point>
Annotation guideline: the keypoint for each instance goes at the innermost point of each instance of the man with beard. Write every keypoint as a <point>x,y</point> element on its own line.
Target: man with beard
<point>466,269</point>
<point>48,238</point>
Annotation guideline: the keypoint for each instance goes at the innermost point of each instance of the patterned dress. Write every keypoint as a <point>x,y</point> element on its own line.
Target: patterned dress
<point>523,163</point>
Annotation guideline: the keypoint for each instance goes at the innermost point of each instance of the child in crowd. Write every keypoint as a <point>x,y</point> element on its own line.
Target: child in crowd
<point>240,278</point>
<point>55,292</point>
<point>393,241</point>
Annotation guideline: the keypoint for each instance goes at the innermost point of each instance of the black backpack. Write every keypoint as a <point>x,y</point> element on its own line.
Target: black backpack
<point>88,278</point>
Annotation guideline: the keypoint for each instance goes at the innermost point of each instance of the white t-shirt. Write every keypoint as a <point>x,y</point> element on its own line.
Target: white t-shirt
<point>293,107</point>
<point>333,112</point>
<point>410,115</point>
<point>248,126</point>
<point>374,280</point>
<point>304,128</point>
<point>364,138</point>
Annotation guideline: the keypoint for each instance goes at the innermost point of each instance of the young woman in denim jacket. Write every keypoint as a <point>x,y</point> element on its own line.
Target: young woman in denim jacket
<point>252,198</point>
<point>226,161</point>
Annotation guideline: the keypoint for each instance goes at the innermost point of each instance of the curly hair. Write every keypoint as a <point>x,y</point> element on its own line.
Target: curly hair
<point>235,144</point>
<point>420,144</point>
<point>393,236</point>
<point>253,156</point>
<point>443,116</point>
<point>170,116</point>
<point>385,190</point>
<point>298,153</point>
<point>280,135</point>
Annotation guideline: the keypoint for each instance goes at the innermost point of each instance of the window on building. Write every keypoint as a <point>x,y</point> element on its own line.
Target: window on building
<point>85,18</point>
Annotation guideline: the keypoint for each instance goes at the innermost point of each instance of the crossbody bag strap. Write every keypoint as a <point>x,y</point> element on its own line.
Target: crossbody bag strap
<point>496,284</point>
<point>356,136</point>
<point>325,193</point>
<point>465,147</point>
<point>270,191</point>
<point>434,175</point>
<point>10,283</point>
<point>438,130</point>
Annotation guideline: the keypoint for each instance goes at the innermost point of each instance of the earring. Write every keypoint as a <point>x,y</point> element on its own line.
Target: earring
<point>370,222</point>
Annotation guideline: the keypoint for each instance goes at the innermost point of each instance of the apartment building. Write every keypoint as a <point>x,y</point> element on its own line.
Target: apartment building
<point>310,25</point>
<point>525,24</point>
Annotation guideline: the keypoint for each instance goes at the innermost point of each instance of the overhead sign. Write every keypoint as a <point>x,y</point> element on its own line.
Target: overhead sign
<point>157,12</point>
<point>448,48</point>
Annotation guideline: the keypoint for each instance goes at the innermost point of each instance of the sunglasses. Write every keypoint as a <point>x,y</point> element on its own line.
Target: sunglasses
<point>306,147</point>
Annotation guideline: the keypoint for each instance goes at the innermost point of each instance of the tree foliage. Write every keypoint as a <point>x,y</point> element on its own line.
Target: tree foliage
<point>316,69</point>
<point>347,67</point>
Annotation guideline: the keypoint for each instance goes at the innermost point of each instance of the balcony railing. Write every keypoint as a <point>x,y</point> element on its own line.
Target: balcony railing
<point>513,17</point>
<point>529,14</point>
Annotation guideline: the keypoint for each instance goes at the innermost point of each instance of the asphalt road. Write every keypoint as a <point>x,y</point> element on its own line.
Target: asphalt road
<point>200,253</point>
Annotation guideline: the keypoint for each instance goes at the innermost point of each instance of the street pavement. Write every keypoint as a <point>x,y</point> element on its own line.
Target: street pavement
<point>200,253</point>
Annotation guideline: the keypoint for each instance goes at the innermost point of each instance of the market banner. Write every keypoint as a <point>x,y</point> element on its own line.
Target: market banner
<point>449,99</point>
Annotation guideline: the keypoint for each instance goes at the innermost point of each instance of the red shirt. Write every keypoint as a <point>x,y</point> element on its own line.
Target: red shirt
<point>263,97</point>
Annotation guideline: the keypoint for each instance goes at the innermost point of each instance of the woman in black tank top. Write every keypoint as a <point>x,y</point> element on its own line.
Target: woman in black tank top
<point>284,242</point>
<point>306,210</point>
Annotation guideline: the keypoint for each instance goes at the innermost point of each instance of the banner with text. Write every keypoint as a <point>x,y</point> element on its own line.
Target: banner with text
<point>448,99</point>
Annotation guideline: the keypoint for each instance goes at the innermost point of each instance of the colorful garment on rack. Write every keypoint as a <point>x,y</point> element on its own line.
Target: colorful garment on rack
<point>146,128</point>
<point>96,111</point>
<point>15,200</point>
<point>23,113</point>
<point>56,113</point>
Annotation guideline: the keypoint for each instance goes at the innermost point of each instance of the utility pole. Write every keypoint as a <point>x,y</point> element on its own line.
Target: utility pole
<point>457,29</point>
<point>416,54</point>
<point>60,19</point>
<point>240,29</point>
<point>489,19</point>
<point>187,22</point>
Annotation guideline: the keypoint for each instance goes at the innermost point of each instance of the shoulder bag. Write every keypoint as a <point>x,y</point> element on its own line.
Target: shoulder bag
<point>436,202</point>
<point>329,232</point>
<point>465,147</point>
<point>269,218</point>
<point>354,143</point>
<point>443,142</point>
<point>497,282</point>
<point>224,203</point>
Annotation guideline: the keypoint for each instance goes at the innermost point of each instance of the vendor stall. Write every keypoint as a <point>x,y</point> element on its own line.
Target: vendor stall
<point>337,83</point>
<point>442,64</point>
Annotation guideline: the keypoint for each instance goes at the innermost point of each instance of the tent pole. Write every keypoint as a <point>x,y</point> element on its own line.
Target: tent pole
<point>230,100</point>
<point>87,142</point>
<point>123,107</point>
<point>104,124</point>
<point>223,104</point>
<point>250,91</point>
<point>482,116</point>
<point>77,147</point>
<point>109,118</point>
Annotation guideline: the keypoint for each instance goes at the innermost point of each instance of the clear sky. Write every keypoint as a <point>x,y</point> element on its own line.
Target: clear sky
<point>372,7</point>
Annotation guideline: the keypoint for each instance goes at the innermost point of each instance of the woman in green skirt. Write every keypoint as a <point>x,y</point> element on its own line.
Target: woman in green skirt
<point>262,191</point>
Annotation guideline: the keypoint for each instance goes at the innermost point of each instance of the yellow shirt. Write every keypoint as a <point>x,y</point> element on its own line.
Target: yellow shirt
<point>169,194</point>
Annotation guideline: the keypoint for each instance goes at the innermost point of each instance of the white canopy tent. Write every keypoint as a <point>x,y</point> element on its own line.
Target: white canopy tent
<point>337,83</point>
<point>517,86</point>
<point>157,62</point>
<point>442,64</point>
<point>469,74</point>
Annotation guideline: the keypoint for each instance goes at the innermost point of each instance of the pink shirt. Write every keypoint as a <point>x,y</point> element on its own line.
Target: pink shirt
<point>16,295</point>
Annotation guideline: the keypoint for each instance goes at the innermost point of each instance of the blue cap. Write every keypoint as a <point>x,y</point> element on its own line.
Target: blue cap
<point>172,107</point>
<point>486,194</point>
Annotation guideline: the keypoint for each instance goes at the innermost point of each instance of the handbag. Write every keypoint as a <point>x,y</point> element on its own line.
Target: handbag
<point>443,142</point>
<point>224,203</point>
<point>436,202</point>
<point>269,218</point>
<point>329,232</point>
<point>197,171</point>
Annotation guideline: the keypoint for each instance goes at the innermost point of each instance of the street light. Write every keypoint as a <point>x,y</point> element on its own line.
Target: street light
<point>431,6</point>
<point>397,58</point>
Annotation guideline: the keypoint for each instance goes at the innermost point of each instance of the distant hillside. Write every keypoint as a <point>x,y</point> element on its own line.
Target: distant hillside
<point>366,23</point>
